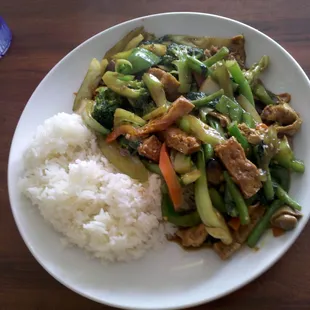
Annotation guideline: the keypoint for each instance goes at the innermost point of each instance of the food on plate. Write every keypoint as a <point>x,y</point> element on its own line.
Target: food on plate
<point>172,136</point>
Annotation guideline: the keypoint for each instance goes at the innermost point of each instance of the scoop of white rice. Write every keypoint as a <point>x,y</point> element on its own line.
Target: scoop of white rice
<point>85,198</point>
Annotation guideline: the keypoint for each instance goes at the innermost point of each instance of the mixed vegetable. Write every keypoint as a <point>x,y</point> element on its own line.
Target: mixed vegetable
<point>188,109</point>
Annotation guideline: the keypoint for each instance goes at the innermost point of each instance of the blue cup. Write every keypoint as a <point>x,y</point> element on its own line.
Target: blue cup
<point>5,37</point>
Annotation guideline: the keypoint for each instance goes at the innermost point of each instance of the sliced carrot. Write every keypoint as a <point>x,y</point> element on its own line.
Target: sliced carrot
<point>277,232</point>
<point>234,223</point>
<point>121,130</point>
<point>166,168</point>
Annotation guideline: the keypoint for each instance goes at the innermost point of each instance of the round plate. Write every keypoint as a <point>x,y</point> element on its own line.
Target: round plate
<point>171,278</point>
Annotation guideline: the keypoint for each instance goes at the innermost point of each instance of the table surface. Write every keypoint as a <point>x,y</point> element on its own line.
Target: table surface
<point>44,32</point>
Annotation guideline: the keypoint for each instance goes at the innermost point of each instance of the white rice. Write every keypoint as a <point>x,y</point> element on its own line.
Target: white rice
<point>85,198</point>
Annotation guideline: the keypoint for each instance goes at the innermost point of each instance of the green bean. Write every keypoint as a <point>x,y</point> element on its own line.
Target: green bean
<point>199,103</point>
<point>217,200</point>
<point>285,198</point>
<point>239,201</point>
<point>234,131</point>
<point>263,160</point>
<point>221,53</point>
<point>256,69</point>
<point>230,205</point>
<point>151,167</point>
<point>263,224</point>
<point>239,78</point>
<point>197,66</point>
<point>297,166</point>
<point>182,220</point>
<point>208,151</point>
<point>268,186</point>
<point>248,119</point>
<point>261,93</point>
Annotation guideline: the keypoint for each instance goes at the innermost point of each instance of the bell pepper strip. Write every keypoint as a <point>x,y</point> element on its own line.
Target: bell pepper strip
<point>174,187</point>
<point>121,130</point>
<point>142,59</point>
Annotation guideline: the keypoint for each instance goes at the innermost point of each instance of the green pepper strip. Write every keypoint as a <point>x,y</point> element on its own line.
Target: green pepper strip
<point>142,59</point>
<point>285,198</point>
<point>263,224</point>
<point>217,200</point>
<point>234,131</point>
<point>239,201</point>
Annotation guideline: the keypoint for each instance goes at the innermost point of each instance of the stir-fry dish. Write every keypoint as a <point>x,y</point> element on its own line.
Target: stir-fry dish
<point>190,110</point>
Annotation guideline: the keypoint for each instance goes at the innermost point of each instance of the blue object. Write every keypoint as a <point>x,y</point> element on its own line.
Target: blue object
<point>5,37</point>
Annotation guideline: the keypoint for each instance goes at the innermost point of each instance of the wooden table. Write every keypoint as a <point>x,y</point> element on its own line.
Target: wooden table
<point>44,32</point>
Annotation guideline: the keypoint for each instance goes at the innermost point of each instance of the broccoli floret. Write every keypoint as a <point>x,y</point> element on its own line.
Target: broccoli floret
<point>159,40</point>
<point>143,105</point>
<point>176,51</point>
<point>195,95</point>
<point>177,56</point>
<point>107,101</point>
<point>131,88</point>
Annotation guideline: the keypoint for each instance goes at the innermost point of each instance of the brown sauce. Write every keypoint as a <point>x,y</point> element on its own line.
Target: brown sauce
<point>178,241</point>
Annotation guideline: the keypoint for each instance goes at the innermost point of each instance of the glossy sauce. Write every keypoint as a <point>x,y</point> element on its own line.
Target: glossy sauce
<point>178,241</point>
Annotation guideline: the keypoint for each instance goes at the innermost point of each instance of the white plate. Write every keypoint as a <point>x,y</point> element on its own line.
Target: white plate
<point>172,278</point>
